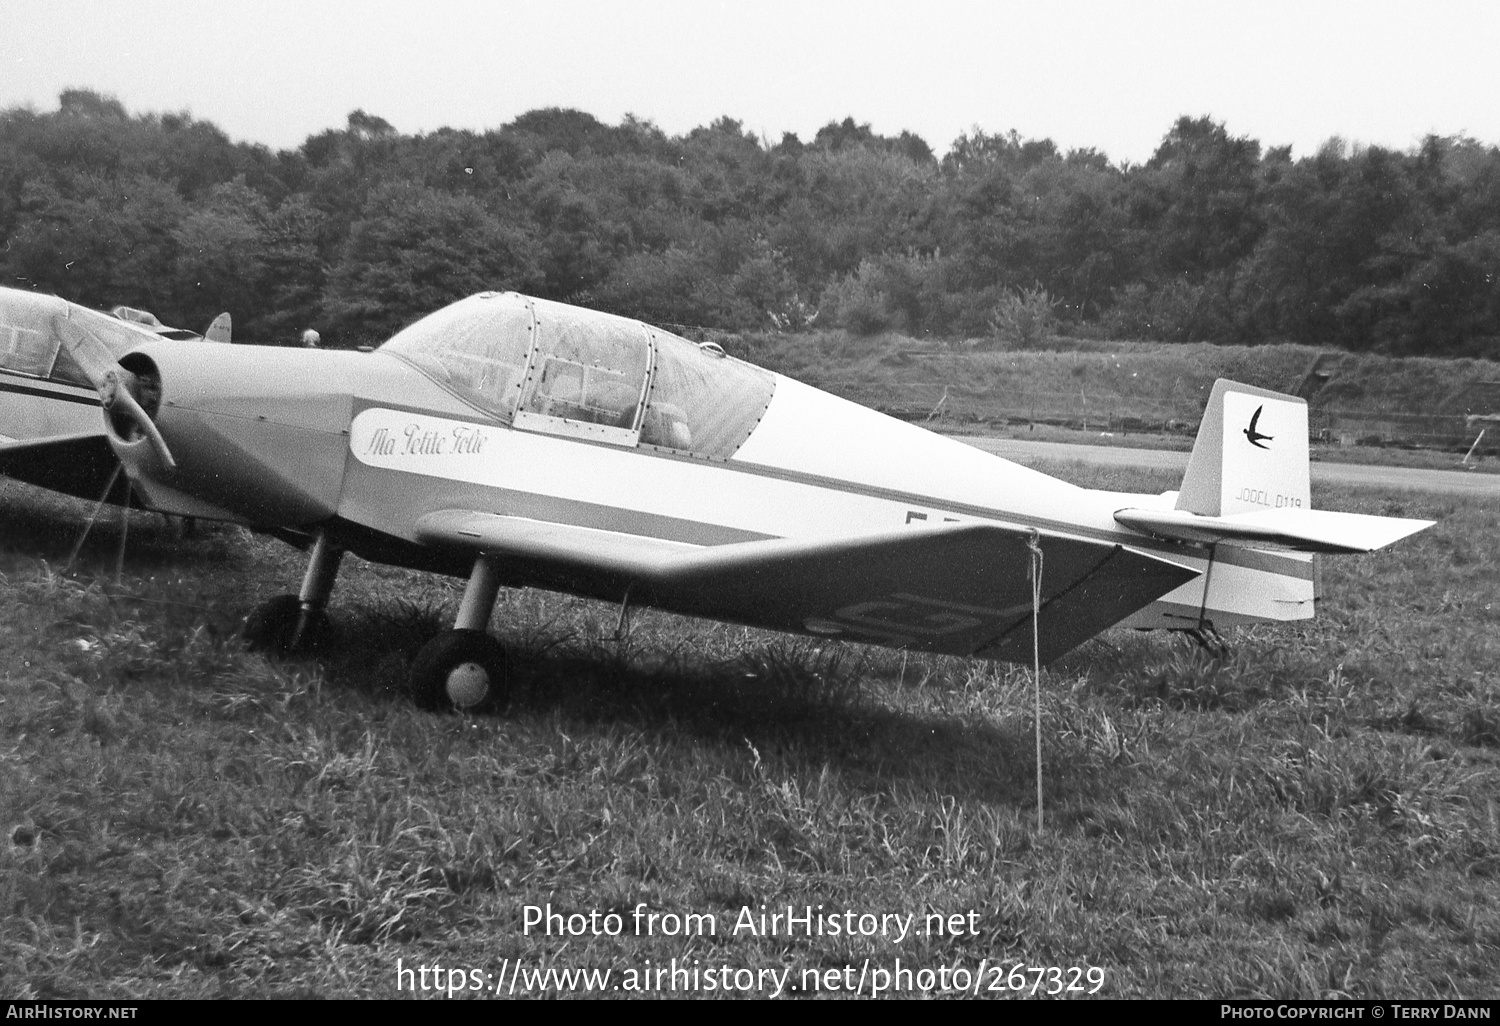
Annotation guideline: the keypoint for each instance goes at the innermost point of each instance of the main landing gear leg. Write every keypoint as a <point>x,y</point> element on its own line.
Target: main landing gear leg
<point>290,624</point>
<point>465,667</point>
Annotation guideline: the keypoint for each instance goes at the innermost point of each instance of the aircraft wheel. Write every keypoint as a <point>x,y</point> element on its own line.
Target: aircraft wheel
<point>459,669</point>
<point>270,627</point>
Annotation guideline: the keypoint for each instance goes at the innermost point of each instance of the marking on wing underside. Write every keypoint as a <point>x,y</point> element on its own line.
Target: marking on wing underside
<point>904,619</point>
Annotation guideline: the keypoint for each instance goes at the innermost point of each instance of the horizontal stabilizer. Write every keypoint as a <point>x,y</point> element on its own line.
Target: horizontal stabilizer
<point>1303,530</point>
<point>959,588</point>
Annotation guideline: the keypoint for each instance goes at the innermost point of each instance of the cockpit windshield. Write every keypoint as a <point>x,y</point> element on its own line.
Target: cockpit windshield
<point>564,370</point>
<point>477,347</point>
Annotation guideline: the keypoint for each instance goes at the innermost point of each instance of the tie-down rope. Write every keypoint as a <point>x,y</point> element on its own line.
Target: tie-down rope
<point>1033,544</point>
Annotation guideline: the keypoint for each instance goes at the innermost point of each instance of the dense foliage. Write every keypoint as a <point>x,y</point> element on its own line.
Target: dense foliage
<point>361,229</point>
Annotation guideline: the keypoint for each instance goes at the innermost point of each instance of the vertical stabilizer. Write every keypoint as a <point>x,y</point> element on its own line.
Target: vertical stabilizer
<point>219,329</point>
<point>1251,453</point>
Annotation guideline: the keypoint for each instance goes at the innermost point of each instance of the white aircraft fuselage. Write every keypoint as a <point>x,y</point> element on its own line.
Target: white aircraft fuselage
<point>368,443</point>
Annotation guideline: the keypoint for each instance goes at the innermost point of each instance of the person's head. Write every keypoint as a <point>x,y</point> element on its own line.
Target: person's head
<point>311,338</point>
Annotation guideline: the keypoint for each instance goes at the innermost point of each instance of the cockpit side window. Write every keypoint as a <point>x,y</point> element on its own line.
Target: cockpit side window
<point>587,375</point>
<point>477,347</point>
<point>28,348</point>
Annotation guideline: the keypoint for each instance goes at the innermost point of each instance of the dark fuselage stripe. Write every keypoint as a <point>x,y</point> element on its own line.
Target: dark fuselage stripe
<point>85,398</point>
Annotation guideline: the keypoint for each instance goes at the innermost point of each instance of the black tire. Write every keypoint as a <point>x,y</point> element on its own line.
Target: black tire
<point>459,669</point>
<point>272,625</point>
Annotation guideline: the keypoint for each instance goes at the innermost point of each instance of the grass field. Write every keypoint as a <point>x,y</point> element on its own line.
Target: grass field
<point>1314,814</point>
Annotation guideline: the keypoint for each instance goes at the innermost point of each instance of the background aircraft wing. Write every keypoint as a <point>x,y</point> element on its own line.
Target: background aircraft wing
<point>959,588</point>
<point>79,464</point>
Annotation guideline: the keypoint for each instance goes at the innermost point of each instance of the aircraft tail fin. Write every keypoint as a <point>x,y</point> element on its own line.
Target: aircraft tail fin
<point>1248,482</point>
<point>1248,486</point>
<point>1251,454</point>
<point>219,329</point>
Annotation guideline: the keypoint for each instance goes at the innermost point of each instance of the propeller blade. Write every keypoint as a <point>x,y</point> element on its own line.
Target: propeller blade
<point>92,356</point>
<point>118,393</point>
<point>115,384</point>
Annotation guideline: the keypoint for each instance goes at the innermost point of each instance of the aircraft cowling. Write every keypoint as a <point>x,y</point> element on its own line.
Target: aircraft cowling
<point>260,435</point>
<point>255,440</point>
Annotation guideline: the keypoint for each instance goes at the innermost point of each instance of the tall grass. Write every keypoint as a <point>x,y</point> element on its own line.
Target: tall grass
<point>1313,814</point>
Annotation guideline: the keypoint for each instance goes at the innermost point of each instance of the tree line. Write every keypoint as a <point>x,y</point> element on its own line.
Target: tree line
<point>362,229</point>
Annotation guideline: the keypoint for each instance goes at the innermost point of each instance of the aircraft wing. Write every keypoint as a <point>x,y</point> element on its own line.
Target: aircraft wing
<point>959,588</point>
<point>79,464</point>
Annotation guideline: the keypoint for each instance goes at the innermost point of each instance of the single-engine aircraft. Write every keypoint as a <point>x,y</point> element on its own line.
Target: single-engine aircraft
<point>51,433</point>
<point>522,442</point>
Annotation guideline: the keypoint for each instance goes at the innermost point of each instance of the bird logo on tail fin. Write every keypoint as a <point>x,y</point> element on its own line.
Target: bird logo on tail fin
<point>1253,435</point>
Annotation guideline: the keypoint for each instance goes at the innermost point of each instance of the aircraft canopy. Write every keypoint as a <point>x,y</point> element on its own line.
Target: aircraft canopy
<point>544,366</point>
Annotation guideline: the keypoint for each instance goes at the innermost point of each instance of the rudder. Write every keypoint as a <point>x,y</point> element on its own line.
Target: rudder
<point>1251,453</point>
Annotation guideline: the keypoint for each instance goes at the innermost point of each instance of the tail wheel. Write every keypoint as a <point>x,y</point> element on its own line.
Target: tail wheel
<point>459,669</point>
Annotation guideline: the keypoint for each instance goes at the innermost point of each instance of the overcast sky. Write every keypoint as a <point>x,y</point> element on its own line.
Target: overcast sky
<point>1087,73</point>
